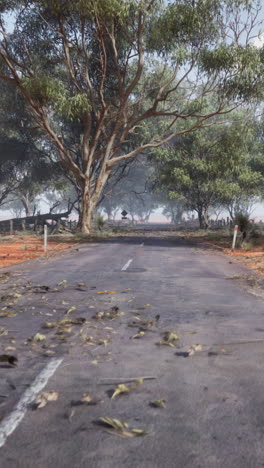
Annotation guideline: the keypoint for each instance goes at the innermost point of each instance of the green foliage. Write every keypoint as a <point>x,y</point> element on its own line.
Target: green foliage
<point>249,61</point>
<point>104,78</point>
<point>99,222</point>
<point>106,10</point>
<point>247,246</point>
<point>185,24</point>
<point>48,91</point>
<point>243,222</point>
<point>209,167</point>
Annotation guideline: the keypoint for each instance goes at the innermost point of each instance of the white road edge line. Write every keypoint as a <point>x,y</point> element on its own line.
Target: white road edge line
<point>10,423</point>
<point>127,264</point>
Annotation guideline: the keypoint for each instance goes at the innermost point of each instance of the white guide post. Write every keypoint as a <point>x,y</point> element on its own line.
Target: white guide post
<point>234,237</point>
<point>45,239</point>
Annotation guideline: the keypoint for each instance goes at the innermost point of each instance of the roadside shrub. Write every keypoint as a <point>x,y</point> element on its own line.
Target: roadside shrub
<point>99,222</point>
<point>254,233</point>
<point>247,246</point>
<point>243,222</point>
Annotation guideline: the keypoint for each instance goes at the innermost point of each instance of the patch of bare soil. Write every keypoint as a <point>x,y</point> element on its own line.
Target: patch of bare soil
<point>253,259</point>
<point>21,249</point>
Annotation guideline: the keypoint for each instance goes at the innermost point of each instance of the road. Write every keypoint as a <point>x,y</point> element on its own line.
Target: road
<point>214,415</point>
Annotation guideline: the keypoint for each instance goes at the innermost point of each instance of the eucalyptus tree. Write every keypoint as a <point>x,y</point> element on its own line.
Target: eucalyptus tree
<point>95,72</point>
<point>209,167</point>
<point>27,164</point>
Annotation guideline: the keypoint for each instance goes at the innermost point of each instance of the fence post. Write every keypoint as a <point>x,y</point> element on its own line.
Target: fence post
<point>11,227</point>
<point>234,237</point>
<point>45,238</point>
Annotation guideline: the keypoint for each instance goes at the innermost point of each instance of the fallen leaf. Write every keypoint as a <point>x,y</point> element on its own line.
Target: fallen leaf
<point>115,313</point>
<point>3,331</point>
<point>39,338</point>
<point>65,322</point>
<point>194,348</point>
<point>71,309</point>
<point>49,352</point>
<point>122,388</point>
<point>104,342</point>
<point>143,324</point>
<point>8,313</point>
<point>115,426</point>
<point>158,403</point>
<point>64,329</point>
<point>62,282</point>
<point>87,399</point>
<point>168,339</point>
<point>10,296</point>
<point>43,398</point>
<point>5,277</point>
<point>138,335</point>
<point>106,292</point>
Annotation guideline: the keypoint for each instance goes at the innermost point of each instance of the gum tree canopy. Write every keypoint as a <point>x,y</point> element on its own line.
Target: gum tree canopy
<point>210,167</point>
<point>106,80</point>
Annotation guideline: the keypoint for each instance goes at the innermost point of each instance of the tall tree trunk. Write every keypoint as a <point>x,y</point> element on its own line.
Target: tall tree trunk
<point>201,219</point>
<point>87,209</point>
<point>25,202</point>
<point>86,215</point>
<point>206,219</point>
<point>89,202</point>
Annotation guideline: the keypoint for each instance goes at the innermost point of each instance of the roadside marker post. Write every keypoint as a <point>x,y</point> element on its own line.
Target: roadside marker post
<point>234,237</point>
<point>45,239</point>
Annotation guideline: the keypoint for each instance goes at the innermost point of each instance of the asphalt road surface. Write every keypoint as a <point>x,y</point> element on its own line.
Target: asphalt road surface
<point>214,414</point>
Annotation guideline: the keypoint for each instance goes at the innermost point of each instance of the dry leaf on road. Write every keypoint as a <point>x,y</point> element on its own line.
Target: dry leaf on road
<point>138,335</point>
<point>106,292</point>
<point>8,313</point>
<point>115,313</point>
<point>158,403</point>
<point>87,399</point>
<point>168,339</point>
<point>143,324</point>
<point>3,331</point>
<point>43,398</point>
<point>71,309</point>
<point>194,348</point>
<point>122,388</point>
<point>115,426</point>
<point>38,338</point>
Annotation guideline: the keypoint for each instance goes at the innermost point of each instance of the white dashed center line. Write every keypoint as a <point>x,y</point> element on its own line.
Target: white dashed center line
<point>10,423</point>
<point>127,264</point>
